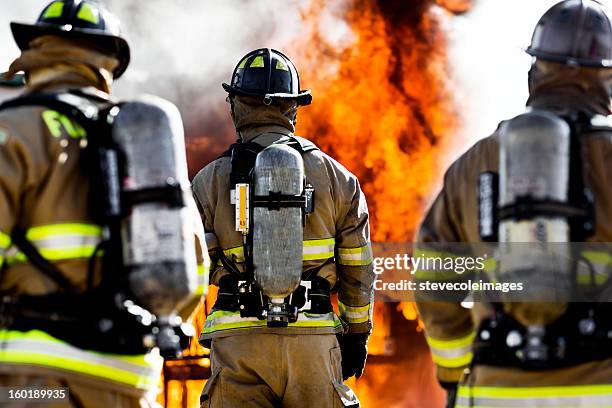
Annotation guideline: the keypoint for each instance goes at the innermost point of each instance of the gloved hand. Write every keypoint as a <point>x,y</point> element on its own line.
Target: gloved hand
<point>227,298</point>
<point>354,348</point>
<point>451,393</point>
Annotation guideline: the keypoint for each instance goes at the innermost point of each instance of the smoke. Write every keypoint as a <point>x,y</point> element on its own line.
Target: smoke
<point>183,50</point>
<point>490,64</point>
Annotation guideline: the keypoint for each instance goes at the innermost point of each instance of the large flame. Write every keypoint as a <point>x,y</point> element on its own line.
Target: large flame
<point>384,107</point>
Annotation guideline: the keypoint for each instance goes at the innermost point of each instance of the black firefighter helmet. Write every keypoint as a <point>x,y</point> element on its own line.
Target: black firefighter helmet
<point>269,74</point>
<point>81,20</point>
<point>577,32</point>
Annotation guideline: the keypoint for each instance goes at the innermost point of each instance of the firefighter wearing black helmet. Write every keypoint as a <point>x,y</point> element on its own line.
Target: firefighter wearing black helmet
<point>509,352</point>
<point>75,46</point>
<point>302,361</point>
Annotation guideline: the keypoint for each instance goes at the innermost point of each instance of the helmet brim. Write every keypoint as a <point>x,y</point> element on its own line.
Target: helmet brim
<point>568,60</point>
<point>24,34</point>
<point>303,98</point>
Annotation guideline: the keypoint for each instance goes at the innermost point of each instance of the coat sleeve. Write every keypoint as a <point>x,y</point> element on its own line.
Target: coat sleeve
<point>448,326</point>
<point>204,189</point>
<point>354,258</point>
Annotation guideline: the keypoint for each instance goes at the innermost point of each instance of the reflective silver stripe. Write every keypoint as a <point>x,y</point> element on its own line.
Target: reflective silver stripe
<point>66,242</point>
<point>451,353</point>
<point>355,256</point>
<point>60,349</point>
<point>224,320</point>
<point>38,348</point>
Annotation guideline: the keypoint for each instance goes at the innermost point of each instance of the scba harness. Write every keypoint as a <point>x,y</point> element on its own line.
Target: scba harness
<point>584,332</point>
<point>108,317</point>
<point>239,291</point>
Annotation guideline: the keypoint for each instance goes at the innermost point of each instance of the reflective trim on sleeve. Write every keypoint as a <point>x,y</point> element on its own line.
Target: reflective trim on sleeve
<point>562,396</point>
<point>202,278</point>
<point>452,353</point>
<point>221,320</point>
<point>361,256</point>
<point>38,348</point>
<point>318,249</point>
<point>355,314</point>
<point>5,243</point>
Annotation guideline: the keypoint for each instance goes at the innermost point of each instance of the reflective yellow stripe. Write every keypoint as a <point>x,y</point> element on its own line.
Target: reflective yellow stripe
<point>55,10</point>
<point>86,13</point>
<point>5,241</point>
<point>355,256</point>
<point>314,249</point>
<point>451,353</point>
<point>38,348</point>
<point>53,230</point>
<point>560,396</point>
<point>355,315</point>
<point>221,320</point>
<point>202,278</point>
<point>57,242</point>
<point>318,249</point>
<point>258,62</point>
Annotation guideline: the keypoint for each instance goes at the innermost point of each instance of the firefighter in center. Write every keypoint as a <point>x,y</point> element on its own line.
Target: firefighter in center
<point>286,226</point>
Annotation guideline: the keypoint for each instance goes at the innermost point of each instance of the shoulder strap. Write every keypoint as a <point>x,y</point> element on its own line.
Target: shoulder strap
<point>82,107</point>
<point>304,144</point>
<point>85,111</point>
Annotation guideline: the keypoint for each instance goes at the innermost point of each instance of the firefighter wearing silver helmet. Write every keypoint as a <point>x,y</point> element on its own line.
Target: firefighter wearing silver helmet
<point>62,324</point>
<point>513,353</point>
<point>286,226</point>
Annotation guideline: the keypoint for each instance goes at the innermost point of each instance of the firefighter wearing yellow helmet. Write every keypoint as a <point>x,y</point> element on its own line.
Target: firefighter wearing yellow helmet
<point>541,182</point>
<point>80,310</point>
<point>286,226</point>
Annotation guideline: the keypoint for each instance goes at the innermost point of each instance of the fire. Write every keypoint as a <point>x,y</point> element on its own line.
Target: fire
<point>384,107</point>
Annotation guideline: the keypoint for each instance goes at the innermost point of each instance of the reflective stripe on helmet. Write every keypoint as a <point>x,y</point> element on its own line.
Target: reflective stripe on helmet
<point>57,242</point>
<point>565,396</point>
<point>222,320</point>
<point>87,13</point>
<point>355,256</point>
<point>451,353</point>
<point>355,314</point>
<point>55,10</point>
<point>38,348</point>
<point>258,62</point>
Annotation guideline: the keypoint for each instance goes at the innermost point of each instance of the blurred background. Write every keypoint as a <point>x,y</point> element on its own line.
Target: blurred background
<point>401,88</point>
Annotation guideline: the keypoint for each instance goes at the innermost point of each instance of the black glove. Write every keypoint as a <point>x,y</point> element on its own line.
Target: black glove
<point>354,347</point>
<point>227,298</point>
<point>451,393</point>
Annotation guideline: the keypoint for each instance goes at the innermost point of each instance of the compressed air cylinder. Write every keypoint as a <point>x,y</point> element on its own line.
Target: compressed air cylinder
<point>157,234</point>
<point>534,167</point>
<point>278,233</point>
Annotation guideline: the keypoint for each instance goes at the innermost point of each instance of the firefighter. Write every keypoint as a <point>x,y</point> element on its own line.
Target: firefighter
<point>302,364</point>
<point>49,241</point>
<point>481,351</point>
